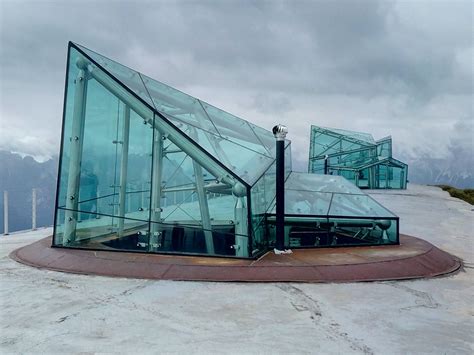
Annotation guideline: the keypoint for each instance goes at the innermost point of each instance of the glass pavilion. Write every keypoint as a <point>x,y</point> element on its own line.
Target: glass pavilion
<point>356,156</point>
<point>147,168</point>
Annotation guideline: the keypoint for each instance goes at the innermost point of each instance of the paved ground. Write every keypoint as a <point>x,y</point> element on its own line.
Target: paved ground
<point>50,312</point>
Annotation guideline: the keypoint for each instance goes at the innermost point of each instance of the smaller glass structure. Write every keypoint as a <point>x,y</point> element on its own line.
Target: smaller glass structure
<point>329,210</point>
<point>356,156</point>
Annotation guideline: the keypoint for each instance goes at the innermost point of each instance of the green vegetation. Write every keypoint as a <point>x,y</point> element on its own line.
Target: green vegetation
<point>463,194</point>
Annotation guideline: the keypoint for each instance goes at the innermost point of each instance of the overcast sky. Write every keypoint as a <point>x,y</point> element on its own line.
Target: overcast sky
<point>400,68</point>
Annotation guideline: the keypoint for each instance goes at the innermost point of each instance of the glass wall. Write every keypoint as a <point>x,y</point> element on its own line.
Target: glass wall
<point>131,180</point>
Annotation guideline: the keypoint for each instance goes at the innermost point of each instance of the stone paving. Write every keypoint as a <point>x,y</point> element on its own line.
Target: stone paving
<point>50,312</point>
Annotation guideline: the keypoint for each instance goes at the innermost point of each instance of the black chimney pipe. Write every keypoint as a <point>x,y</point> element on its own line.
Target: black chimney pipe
<point>280,131</point>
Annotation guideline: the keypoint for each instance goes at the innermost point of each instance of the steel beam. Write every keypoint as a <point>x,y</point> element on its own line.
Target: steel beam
<point>124,169</point>
<point>75,153</point>
<point>5,212</point>
<point>203,208</point>
<point>157,172</point>
<point>241,228</point>
<point>33,209</point>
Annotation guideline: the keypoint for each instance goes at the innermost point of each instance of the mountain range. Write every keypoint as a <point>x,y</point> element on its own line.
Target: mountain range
<point>19,175</point>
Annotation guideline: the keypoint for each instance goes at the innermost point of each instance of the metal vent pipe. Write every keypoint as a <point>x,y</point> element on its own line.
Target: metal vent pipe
<point>280,131</point>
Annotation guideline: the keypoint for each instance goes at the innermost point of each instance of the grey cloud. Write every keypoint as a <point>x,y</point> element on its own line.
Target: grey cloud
<point>373,65</point>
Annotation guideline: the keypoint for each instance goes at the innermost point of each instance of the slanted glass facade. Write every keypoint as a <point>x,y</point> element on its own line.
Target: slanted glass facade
<point>147,168</point>
<point>357,157</point>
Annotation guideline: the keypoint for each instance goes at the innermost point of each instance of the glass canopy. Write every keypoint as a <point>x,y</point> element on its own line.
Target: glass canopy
<point>147,168</point>
<point>328,210</point>
<point>356,156</point>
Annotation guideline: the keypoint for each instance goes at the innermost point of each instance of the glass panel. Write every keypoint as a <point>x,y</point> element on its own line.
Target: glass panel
<point>235,129</point>
<point>357,205</point>
<point>139,161</point>
<point>265,137</point>
<point>72,72</point>
<point>304,231</point>
<point>98,231</point>
<point>246,163</point>
<point>384,147</point>
<point>177,106</point>
<point>320,183</point>
<point>110,161</point>
<point>185,239</point>
<point>307,202</point>
<point>365,137</point>
<point>101,151</point>
<point>288,161</point>
<point>263,195</point>
<point>127,76</point>
<point>362,231</point>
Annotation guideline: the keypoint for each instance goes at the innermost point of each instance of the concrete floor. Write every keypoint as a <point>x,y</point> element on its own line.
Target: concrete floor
<point>51,312</point>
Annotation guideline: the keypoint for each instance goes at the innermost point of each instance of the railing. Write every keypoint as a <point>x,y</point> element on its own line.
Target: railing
<point>34,204</point>
<point>5,211</point>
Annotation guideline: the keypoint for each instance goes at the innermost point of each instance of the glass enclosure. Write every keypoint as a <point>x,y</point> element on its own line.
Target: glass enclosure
<point>322,210</point>
<point>357,157</point>
<point>147,168</point>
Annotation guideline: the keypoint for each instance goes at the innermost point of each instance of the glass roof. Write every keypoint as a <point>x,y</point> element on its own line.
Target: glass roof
<point>328,195</point>
<point>361,136</point>
<point>244,148</point>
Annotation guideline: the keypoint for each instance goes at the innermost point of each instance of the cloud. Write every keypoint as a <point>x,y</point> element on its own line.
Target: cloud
<point>386,67</point>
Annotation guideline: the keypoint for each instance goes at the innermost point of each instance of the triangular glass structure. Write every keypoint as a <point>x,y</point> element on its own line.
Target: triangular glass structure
<point>145,167</point>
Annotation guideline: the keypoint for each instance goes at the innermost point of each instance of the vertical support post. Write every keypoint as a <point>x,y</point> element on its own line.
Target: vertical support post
<point>326,157</point>
<point>97,203</point>
<point>372,177</point>
<point>241,221</point>
<point>204,208</point>
<point>129,203</point>
<point>156,190</point>
<point>5,212</point>
<point>75,153</point>
<point>280,132</point>
<point>124,169</point>
<point>33,209</point>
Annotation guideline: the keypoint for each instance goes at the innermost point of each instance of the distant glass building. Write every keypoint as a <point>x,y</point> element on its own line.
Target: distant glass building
<point>147,168</point>
<point>356,156</point>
